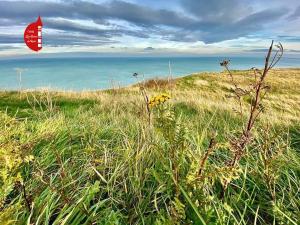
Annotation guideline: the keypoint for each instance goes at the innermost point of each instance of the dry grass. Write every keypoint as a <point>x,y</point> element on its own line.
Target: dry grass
<point>158,84</point>
<point>208,91</point>
<point>97,161</point>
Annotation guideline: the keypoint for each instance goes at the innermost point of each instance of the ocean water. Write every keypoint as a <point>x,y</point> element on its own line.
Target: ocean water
<point>79,74</point>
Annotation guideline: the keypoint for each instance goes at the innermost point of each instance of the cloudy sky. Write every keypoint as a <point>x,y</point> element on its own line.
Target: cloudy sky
<point>152,27</point>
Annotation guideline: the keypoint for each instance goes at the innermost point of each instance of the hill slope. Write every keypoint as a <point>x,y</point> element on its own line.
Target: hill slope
<point>93,158</point>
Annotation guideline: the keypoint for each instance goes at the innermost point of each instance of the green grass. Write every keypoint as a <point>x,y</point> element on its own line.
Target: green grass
<point>97,161</point>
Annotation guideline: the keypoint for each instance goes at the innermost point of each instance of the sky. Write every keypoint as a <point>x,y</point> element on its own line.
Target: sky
<point>152,27</point>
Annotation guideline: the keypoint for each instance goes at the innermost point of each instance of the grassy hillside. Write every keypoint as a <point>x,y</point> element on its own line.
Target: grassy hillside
<point>93,157</point>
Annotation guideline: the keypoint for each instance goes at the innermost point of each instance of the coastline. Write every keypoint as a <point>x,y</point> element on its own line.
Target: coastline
<point>130,86</point>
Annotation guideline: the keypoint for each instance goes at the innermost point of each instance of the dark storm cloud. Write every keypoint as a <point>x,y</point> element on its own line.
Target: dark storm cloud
<point>250,24</point>
<point>229,19</point>
<point>201,20</point>
<point>217,11</point>
<point>130,12</point>
<point>70,26</point>
<point>145,15</point>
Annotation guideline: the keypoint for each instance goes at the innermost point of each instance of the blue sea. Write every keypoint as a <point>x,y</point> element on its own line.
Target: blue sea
<point>94,73</point>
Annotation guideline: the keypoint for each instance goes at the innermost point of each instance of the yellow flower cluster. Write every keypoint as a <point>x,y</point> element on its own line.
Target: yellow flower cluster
<point>157,100</point>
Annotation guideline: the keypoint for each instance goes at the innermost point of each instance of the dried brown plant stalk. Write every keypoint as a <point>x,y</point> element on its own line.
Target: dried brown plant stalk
<point>145,96</point>
<point>210,149</point>
<point>257,92</point>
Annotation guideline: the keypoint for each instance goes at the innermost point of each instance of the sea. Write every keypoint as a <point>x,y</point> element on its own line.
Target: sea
<point>96,73</point>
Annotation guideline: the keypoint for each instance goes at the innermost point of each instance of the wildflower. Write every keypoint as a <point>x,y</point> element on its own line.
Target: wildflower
<point>157,100</point>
